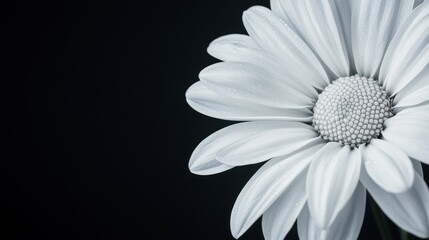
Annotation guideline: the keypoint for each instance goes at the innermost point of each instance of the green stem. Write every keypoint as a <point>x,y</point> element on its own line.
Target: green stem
<point>380,220</point>
<point>404,235</point>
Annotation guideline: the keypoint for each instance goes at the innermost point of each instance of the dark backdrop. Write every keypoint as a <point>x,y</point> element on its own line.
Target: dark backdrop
<point>98,130</point>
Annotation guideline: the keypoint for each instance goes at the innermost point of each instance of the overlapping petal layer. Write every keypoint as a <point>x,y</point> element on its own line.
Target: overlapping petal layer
<point>408,53</point>
<point>268,144</point>
<point>212,104</point>
<point>347,225</point>
<point>409,210</point>
<point>319,25</point>
<point>373,25</point>
<point>203,159</point>
<point>266,186</point>
<point>388,166</point>
<point>282,214</point>
<point>252,83</point>
<point>326,197</point>
<point>408,129</point>
<point>274,36</point>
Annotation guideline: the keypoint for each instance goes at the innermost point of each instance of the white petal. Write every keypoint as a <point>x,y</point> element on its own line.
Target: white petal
<point>388,166</point>
<point>268,144</point>
<point>374,23</point>
<point>346,226</point>
<point>276,37</point>
<point>343,9</point>
<point>209,103</point>
<point>332,179</point>
<point>264,188</point>
<point>319,24</point>
<point>241,48</point>
<point>203,161</point>
<point>236,48</point>
<point>419,96</point>
<point>409,131</point>
<point>307,228</point>
<point>277,8</point>
<point>349,221</point>
<point>281,216</point>
<point>252,83</point>
<point>408,53</point>
<point>408,210</point>
<point>418,84</point>
<point>420,111</point>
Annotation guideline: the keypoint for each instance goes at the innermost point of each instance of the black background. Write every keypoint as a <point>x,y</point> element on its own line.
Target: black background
<point>98,130</point>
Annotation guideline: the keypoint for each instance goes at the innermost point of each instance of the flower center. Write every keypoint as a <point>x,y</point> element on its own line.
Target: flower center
<point>351,110</point>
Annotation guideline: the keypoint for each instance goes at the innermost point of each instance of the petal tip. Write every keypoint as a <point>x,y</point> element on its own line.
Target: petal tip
<point>205,72</point>
<point>254,11</point>
<point>194,169</point>
<point>236,231</point>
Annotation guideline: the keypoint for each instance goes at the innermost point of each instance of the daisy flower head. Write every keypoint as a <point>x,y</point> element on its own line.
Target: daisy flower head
<point>334,96</point>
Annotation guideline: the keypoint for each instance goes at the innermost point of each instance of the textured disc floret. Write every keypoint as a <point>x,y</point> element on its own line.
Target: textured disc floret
<point>351,110</point>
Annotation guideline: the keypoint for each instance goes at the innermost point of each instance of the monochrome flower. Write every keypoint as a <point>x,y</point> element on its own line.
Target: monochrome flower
<point>335,95</point>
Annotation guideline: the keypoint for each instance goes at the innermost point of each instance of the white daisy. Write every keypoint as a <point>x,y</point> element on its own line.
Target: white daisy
<point>335,95</point>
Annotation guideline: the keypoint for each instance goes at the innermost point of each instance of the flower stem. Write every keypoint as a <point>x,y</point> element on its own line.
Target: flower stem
<point>381,221</point>
<point>404,235</point>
